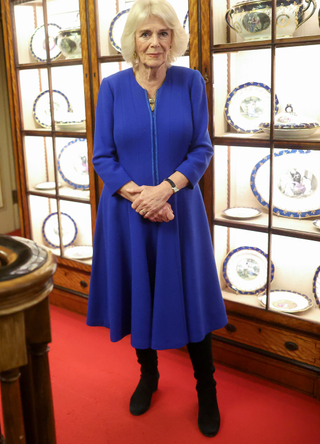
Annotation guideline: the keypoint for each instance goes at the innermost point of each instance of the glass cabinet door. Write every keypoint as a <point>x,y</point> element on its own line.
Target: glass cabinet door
<point>55,130</point>
<point>266,169</point>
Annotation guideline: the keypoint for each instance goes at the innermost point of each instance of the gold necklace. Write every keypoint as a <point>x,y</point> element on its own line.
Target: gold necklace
<point>152,99</point>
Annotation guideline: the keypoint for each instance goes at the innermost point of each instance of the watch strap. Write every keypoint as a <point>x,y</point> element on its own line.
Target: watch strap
<point>174,187</point>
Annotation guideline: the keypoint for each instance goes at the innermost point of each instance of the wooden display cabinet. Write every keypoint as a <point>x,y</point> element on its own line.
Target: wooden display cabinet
<point>262,340</point>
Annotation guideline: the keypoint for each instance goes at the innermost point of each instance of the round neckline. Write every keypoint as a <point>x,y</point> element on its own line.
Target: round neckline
<point>143,89</point>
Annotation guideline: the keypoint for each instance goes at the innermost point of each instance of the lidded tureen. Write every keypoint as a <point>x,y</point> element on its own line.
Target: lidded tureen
<point>252,19</point>
<point>69,40</point>
<point>291,125</point>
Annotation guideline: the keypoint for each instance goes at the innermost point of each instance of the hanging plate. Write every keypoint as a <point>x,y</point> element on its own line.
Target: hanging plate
<point>316,286</point>
<point>296,190</point>
<point>286,301</point>
<point>38,43</point>
<point>41,107</point>
<point>248,105</point>
<point>245,270</point>
<point>73,164</point>
<point>50,230</point>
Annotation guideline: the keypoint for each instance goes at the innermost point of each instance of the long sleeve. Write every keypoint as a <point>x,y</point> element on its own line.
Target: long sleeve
<point>200,150</point>
<point>105,158</point>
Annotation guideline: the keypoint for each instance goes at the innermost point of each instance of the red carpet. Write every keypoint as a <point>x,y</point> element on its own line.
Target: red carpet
<point>93,380</point>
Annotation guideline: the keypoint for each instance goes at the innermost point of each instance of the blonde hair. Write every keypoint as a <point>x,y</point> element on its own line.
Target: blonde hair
<point>140,11</point>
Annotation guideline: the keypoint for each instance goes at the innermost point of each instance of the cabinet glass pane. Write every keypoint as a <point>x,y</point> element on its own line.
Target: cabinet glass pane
<point>242,92</point>
<point>298,90</point>
<point>35,99</point>
<point>238,21</point>
<point>241,258</point>
<point>69,110</point>
<point>30,32</point>
<point>233,170</point>
<point>72,167</point>
<point>112,17</point>
<point>76,226</point>
<point>65,15</point>
<point>39,164</point>
<point>296,190</point>
<point>296,262</point>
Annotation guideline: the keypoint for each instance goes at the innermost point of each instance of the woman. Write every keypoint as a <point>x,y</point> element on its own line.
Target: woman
<point>153,272</point>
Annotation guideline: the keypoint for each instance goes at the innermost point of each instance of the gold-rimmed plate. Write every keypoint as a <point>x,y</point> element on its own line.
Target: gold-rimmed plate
<point>286,301</point>
<point>241,212</point>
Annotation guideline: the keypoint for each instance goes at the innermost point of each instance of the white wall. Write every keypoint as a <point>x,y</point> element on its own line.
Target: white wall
<point>9,216</point>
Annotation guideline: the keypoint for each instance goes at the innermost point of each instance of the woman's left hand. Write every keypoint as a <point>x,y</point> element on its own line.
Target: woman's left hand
<point>151,199</point>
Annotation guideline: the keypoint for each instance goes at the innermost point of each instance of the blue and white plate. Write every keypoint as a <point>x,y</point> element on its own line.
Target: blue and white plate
<point>316,286</point>
<point>50,230</point>
<point>248,105</point>
<point>286,301</point>
<point>38,43</point>
<point>73,164</point>
<point>41,107</point>
<point>245,270</point>
<point>116,28</point>
<point>296,190</point>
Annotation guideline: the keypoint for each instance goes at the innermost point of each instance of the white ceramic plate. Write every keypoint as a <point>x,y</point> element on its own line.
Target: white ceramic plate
<point>38,43</point>
<point>73,164</point>
<point>286,301</point>
<point>316,223</point>
<point>299,133</point>
<point>50,230</point>
<point>47,186</point>
<point>80,252</point>
<point>316,286</point>
<point>296,190</point>
<point>241,212</point>
<point>41,107</point>
<point>248,105</point>
<point>245,270</point>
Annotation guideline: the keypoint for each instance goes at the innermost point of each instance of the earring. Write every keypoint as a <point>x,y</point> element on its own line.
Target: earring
<point>134,55</point>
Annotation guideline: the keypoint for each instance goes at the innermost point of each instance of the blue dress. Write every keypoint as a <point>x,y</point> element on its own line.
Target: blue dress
<point>155,281</point>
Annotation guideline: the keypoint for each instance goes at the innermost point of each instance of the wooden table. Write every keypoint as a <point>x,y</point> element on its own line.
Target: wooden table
<point>25,283</point>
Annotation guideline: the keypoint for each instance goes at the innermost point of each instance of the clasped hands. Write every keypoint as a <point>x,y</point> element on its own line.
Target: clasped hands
<point>151,201</point>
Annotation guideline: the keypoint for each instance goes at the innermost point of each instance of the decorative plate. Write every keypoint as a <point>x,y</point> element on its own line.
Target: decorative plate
<point>78,252</point>
<point>241,212</point>
<point>38,43</point>
<point>47,186</point>
<point>50,230</point>
<point>245,270</point>
<point>248,105</point>
<point>116,28</point>
<point>316,223</point>
<point>316,286</point>
<point>296,190</point>
<point>73,164</point>
<point>41,107</point>
<point>286,301</point>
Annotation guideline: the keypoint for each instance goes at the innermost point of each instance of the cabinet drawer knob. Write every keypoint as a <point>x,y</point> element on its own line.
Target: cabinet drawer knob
<point>83,284</point>
<point>291,346</point>
<point>230,328</point>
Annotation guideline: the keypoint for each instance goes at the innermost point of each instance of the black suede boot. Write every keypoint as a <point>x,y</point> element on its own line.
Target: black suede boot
<point>148,384</point>
<point>201,358</point>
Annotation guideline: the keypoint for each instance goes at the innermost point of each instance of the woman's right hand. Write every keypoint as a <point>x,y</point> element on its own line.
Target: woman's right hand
<point>165,214</point>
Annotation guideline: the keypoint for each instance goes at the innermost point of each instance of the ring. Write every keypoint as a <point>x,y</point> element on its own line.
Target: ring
<point>142,212</point>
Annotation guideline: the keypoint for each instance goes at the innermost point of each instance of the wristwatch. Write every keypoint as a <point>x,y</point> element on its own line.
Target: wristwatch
<point>175,189</point>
